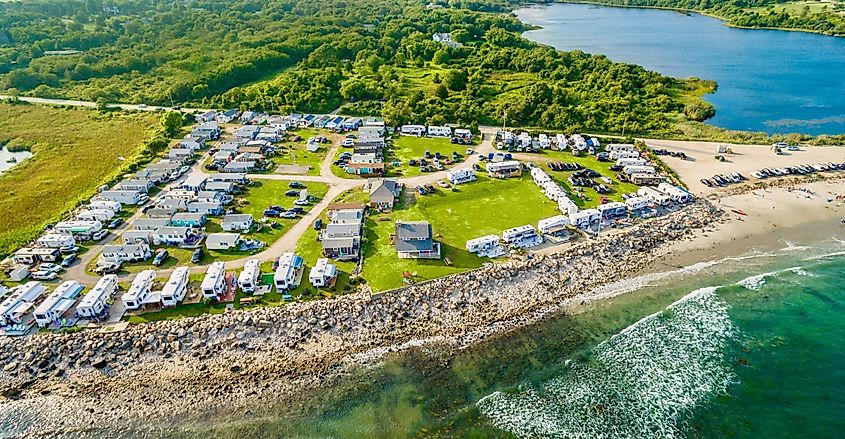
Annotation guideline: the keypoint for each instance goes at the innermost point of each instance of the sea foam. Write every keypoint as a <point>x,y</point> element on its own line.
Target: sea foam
<point>639,383</point>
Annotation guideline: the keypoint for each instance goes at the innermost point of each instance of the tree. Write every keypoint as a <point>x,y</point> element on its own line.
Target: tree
<point>102,104</point>
<point>699,111</point>
<point>171,122</point>
<point>440,57</point>
<point>456,79</point>
<point>441,92</point>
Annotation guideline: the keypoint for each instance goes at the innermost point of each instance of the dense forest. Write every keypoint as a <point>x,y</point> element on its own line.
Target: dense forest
<point>375,56</point>
<point>784,14</point>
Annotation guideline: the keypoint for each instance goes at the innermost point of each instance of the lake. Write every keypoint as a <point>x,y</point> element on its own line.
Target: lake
<point>772,81</point>
<point>6,156</point>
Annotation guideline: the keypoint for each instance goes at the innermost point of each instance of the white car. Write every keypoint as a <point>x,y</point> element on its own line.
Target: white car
<point>43,275</point>
<point>99,235</point>
<point>53,268</point>
<point>442,183</point>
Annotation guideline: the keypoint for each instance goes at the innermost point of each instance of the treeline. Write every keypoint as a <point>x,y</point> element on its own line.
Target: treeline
<point>375,56</point>
<point>753,13</point>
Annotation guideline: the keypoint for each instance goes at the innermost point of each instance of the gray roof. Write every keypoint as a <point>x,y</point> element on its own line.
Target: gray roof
<point>237,218</point>
<point>413,236</point>
<point>338,230</point>
<point>329,243</point>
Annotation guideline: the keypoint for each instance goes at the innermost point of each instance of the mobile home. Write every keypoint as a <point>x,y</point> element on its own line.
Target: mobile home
<point>96,302</point>
<point>506,169</point>
<point>677,194</point>
<point>82,229</point>
<point>654,195</point>
<point>523,236</point>
<point>613,209</point>
<point>461,176</point>
<point>57,303</point>
<point>486,246</point>
<point>439,131</point>
<point>412,130</point>
<point>632,169</point>
<point>55,240</point>
<point>19,301</point>
<point>553,225</point>
<point>583,218</point>
<point>637,203</point>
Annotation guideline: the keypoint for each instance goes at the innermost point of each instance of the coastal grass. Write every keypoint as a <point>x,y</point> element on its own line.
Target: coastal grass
<point>486,206</point>
<point>74,150</point>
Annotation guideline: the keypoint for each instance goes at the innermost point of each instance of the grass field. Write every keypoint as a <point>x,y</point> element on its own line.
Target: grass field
<point>407,148</point>
<point>483,207</point>
<point>74,152</point>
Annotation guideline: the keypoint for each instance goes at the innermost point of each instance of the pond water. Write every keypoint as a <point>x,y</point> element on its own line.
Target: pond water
<point>9,159</point>
<point>769,80</point>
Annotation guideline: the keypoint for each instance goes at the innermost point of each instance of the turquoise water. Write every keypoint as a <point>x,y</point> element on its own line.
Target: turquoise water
<point>745,348</point>
<point>772,81</point>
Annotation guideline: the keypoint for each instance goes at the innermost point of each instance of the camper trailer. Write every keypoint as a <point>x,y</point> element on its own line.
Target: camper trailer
<point>139,290</point>
<point>57,303</point>
<point>96,302</point>
<point>288,273</point>
<point>249,277</point>
<point>214,284</point>
<point>176,287</point>
<point>553,225</point>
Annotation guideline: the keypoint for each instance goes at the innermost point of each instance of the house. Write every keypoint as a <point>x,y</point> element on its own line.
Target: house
<point>439,131</point>
<point>675,193</point>
<point>334,123</point>
<point>96,302</point>
<point>323,273</point>
<point>220,186</point>
<point>81,229</point>
<point>19,301</point>
<point>101,215</point>
<point>222,241</point>
<point>192,143</point>
<point>236,166</point>
<point>412,130</point>
<point>55,240</point>
<point>584,218</point>
<point>212,197</point>
<point>553,191</point>
<point>341,249</point>
<point>553,225</point>
<point>247,117</point>
<point>135,184</point>
<point>150,223</point>
<point>208,116</point>
<point>347,216</point>
<point>505,169</point>
<point>205,208</point>
<point>445,39</point>
<point>383,193</point>
<point>334,230</point>
<point>139,290</point>
<point>320,122</point>
<point>176,287</point>
<point>213,285</point>
<point>231,145</point>
<point>486,246</point>
<point>162,212</point>
<point>206,131</point>
<point>57,303</point>
<point>365,168</point>
<point>414,240</point>
<point>194,182</point>
<point>130,197</point>
<point>227,116</point>
<point>461,176</point>
<point>247,133</point>
<point>105,204</point>
<point>179,194</point>
<point>289,272</point>
<point>119,254</point>
<point>522,236</point>
<point>184,219</point>
<point>353,123</point>
<point>250,276</point>
<point>35,255</point>
<point>137,237</point>
<point>613,209</point>
<point>237,222</point>
<point>232,177</point>
<point>175,235</point>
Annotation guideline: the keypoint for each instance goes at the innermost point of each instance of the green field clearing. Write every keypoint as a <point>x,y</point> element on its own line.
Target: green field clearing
<point>486,206</point>
<point>407,148</point>
<point>74,152</point>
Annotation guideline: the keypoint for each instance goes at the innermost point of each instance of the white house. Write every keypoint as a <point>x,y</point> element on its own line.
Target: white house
<point>486,246</point>
<point>323,273</point>
<point>289,272</point>
<point>105,204</point>
<point>412,130</point>
<point>95,303</point>
<point>194,182</point>
<point>439,131</point>
<point>637,203</point>
<point>249,277</point>
<point>57,303</point>
<point>461,176</point>
<point>55,240</point>
<point>237,222</point>
<point>119,254</point>
<point>176,287</point>
<point>101,215</point>
<point>613,209</point>
<point>509,168</point>
<point>214,283</point>
<point>677,194</point>
<point>19,301</point>
<point>79,228</point>
<point>552,225</point>
<point>631,169</point>
<point>222,241</point>
<point>173,235</point>
<point>654,195</point>
<point>139,290</point>
<point>583,218</point>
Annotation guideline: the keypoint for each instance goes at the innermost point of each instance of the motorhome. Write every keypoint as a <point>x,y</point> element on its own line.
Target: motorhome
<point>654,195</point>
<point>19,301</point>
<point>553,225</point>
<point>323,273</point>
<point>412,130</point>
<point>613,209</point>
<point>288,273</point>
<point>506,169</point>
<point>635,169</point>
<point>439,131</point>
<point>57,303</point>
<point>55,240</point>
<point>522,236</point>
<point>677,194</point>
<point>214,283</point>
<point>584,218</point>
<point>139,290</point>
<point>486,246</point>
<point>461,176</point>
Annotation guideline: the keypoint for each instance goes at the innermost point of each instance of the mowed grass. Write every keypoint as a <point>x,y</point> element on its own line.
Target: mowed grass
<point>483,207</point>
<point>406,148</point>
<point>74,152</point>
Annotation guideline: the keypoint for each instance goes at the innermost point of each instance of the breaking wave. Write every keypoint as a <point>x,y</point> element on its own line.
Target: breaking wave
<point>639,383</point>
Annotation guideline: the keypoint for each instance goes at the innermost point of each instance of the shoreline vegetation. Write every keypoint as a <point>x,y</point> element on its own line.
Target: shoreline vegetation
<point>731,16</point>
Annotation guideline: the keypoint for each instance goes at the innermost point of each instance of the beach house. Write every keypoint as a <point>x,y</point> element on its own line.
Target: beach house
<point>57,303</point>
<point>584,218</point>
<point>240,222</point>
<point>222,241</point>
<point>414,240</point>
<point>383,193</point>
<point>96,302</point>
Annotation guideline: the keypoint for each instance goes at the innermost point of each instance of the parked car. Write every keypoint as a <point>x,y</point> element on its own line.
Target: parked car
<point>69,249</point>
<point>442,184</point>
<point>421,190</point>
<point>296,210</point>
<point>68,260</point>
<point>43,275</point>
<point>289,214</point>
<point>107,268</point>
<point>99,235</point>
<point>161,256</point>
<point>301,202</point>
<point>115,223</point>
<point>296,185</point>
<point>53,268</point>
<point>429,188</point>
<point>196,255</point>
<point>292,193</point>
<point>271,213</point>
<point>318,224</point>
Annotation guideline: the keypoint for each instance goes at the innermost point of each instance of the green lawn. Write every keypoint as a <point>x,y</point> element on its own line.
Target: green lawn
<point>407,148</point>
<point>486,206</point>
<point>294,153</point>
<point>74,152</point>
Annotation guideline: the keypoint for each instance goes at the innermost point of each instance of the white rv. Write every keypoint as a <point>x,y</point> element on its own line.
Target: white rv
<point>583,218</point>
<point>323,273</point>
<point>555,224</point>
<point>176,287</point>
<point>139,290</point>
<point>57,303</point>
<point>439,131</point>
<point>214,284</point>
<point>249,277</point>
<point>287,275</point>
<point>412,130</point>
<point>95,303</point>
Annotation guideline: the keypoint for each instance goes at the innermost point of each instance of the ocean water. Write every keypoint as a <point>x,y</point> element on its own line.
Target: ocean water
<point>769,80</point>
<point>744,347</point>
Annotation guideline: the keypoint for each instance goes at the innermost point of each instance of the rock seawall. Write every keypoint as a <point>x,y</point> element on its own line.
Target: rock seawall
<point>167,369</point>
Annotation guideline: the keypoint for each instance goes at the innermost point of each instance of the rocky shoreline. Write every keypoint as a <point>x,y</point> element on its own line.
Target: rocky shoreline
<point>174,370</point>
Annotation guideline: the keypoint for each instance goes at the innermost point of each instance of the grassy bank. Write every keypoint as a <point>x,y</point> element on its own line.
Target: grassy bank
<point>74,152</point>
